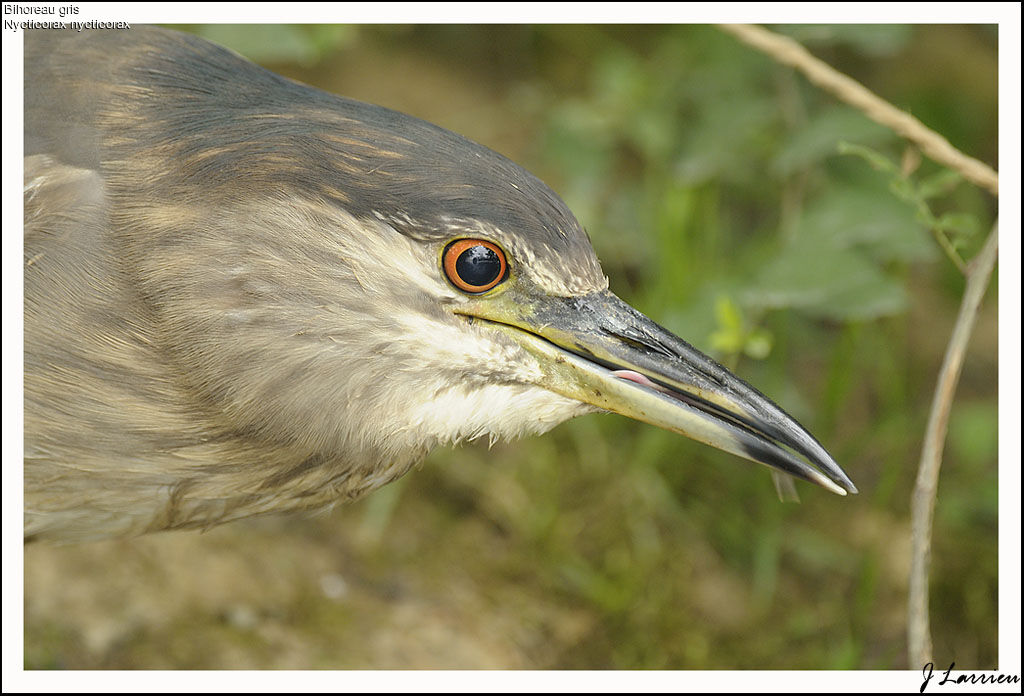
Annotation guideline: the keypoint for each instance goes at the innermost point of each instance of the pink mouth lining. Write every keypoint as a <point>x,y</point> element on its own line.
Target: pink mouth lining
<point>631,376</point>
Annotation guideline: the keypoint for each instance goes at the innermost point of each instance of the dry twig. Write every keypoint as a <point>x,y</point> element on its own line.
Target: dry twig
<point>979,270</point>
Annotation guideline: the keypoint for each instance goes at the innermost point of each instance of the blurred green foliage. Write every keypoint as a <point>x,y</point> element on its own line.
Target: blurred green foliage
<point>715,190</point>
<point>304,45</point>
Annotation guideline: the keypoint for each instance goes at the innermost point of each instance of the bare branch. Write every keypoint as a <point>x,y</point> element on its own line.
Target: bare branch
<point>979,270</point>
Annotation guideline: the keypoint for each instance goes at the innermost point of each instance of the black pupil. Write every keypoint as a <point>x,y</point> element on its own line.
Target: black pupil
<point>478,266</point>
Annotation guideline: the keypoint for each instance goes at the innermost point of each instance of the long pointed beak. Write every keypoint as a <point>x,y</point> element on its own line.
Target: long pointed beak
<point>599,350</point>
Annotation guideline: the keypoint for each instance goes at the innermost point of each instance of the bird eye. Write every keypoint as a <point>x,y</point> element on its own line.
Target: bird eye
<point>473,265</point>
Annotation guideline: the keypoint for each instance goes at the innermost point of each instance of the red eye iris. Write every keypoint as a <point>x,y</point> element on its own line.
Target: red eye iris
<point>473,265</point>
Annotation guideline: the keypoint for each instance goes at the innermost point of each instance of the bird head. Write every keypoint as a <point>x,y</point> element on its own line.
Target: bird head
<point>346,278</point>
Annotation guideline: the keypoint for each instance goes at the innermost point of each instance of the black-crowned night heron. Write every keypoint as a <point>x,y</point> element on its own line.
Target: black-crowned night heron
<point>244,295</point>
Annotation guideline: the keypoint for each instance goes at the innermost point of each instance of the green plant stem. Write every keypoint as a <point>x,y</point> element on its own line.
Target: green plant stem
<point>949,249</point>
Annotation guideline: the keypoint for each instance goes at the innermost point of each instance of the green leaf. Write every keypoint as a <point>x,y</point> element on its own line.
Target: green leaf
<point>938,184</point>
<point>876,159</point>
<point>905,189</point>
<point>960,226</point>
<point>871,219</point>
<point>814,275</point>
<point>759,344</point>
<point>264,43</point>
<point>725,138</point>
<point>822,136</point>
<point>728,314</point>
